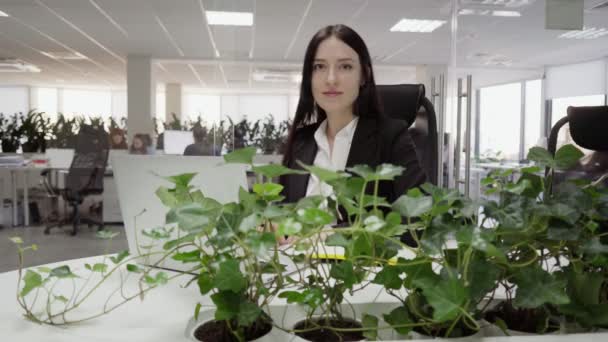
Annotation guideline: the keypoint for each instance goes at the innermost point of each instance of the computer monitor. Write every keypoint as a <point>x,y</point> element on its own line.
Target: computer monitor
<point>139,176</point>
<point>175,142</point>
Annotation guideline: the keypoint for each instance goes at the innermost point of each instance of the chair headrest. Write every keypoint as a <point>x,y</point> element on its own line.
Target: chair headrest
<point>401,101</point>
<point>588,127</point>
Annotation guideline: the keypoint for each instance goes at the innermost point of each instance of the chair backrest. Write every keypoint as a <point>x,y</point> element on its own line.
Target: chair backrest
<point>89,162</point>
<point>587,127</point>
<point>408,102</point>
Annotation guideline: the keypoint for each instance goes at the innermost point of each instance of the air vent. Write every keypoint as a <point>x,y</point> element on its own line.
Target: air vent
<point>276,75</point>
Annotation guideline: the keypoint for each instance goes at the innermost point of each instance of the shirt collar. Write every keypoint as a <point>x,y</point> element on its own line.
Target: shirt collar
<point>347,131</point>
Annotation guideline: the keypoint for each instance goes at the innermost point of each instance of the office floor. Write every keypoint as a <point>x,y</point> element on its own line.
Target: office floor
<point>57,246</point>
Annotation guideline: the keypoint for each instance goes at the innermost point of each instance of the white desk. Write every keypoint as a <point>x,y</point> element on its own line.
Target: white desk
<point>162,316</point>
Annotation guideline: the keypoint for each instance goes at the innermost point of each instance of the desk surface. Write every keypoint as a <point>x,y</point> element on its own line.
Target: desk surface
<point>162,316</point>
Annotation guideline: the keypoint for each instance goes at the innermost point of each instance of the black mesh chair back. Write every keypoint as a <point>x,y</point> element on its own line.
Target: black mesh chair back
<point>408,102</point>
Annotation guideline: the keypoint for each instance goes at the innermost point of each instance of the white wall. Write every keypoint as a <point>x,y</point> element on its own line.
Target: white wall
<point>581,79</point>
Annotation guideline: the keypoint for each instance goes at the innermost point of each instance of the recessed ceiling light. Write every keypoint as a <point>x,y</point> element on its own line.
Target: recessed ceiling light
<point>67,55</point>
<point>585,33</point>
<point>16,65</point>
<point>230,18</point>
<point>3,14</point>
<point>417,25</point>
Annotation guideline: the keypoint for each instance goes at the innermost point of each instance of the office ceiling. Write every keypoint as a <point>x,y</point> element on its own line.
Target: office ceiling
<point>176,34</point>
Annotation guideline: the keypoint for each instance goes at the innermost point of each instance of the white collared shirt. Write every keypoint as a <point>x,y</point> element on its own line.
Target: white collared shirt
<point>335,160</point>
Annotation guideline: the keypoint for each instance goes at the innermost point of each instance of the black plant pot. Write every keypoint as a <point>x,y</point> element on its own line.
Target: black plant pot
<point>8,146</point>
<point>30,147</point>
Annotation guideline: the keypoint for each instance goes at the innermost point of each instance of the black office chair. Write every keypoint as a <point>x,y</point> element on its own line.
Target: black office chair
<point>588,127</point>
<point>85,176</point>
<point>408,102</point>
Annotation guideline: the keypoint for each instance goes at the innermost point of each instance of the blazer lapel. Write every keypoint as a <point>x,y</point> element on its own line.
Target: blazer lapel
<point>363,149</point>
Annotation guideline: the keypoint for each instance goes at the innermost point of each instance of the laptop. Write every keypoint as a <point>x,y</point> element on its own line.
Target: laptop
<point>138,177</point>
<point>175,142</point>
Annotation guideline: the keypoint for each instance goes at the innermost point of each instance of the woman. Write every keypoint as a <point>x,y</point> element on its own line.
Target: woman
<point>141,143</point>
<point>339,122</point>
<point>117,139</point>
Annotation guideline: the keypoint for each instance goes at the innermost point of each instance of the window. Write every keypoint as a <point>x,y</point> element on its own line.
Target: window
<point>533,116</point>
<point>205,106</point>
<point>46,101</point>
<point>87,103</point>
<point>14,100</point>
<point>500,120</point>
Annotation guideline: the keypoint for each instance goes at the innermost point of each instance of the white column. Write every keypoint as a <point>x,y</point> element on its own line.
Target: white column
<point>141,95</point>
<point>173,101</point>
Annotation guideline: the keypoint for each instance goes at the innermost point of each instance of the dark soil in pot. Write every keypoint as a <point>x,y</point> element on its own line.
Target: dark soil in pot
<point>533,321</point>
<point>460,330</point>
<point>218,331</point>
<point>323,335</point>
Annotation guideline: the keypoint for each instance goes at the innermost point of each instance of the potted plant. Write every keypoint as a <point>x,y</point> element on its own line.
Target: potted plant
<point>63,132</point>
<point>270,135</point>
<point>11,133</point>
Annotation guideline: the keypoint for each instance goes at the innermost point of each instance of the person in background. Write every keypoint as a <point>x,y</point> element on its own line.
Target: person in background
<point>339,121</point>
<point>141,143</point>
<point>117,139</point>
<point>201,146</point>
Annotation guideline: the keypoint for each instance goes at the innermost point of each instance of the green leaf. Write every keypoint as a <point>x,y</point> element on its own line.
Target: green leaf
<point>160,279</point>
<point>265,190</point>
<point>262,244</point>
<point>241,156</point>
<point>373,223</point>
<point>250,222</point>
<point>197,310</point>
<point>101,268</point>
<point>276,170</point>
<point>567,156</point>
<point>482,277</point>
<point>594,247</point>
<point>120,257</point>
<point>229,277</point>
<point>418,274</point>
<point>198,214</point>
<point>62,272</point>
<point>344,272</point>
<point>324,175</point>
<point>289,226</point>
<point>31,280</point>
<point>167,197</point>
<point>159,233</point>
<point>536,287</point>
<point>61,299</point>
<point>248,313</point>
<point>173,243</point>
<point>227,305</point>
<point>541,156</point>
<point>134,268</point>
<point>181,180</point>
<point>44,269</point>
<point>336,239</point>
<point>185,257</point>
<point>106,234</point>
<point>446,298</point>
<point>480,239</point>
<point>370,323</point>
<point>292,296</point>
<point>399,316</point>
<point>16,239</point>
<point>413,206</point>
<point>389,278</point>
<point>205,283</point>
<point>314,216</point>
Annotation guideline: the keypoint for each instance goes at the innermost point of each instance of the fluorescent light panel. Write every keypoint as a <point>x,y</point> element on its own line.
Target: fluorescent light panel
<point>585,33</point>
<point>417,25</point>
<point>468,11</point>
<point>230,18</point>
<point>65,55</point>
<point>3,14</point>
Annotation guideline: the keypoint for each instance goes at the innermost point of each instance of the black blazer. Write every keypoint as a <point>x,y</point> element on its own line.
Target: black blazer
<point>376,141</point>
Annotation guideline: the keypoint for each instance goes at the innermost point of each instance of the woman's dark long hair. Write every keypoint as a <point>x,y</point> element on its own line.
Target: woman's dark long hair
<point>307,112</point>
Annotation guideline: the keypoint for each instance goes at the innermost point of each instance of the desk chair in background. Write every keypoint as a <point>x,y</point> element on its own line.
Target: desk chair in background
<point>587,127</point>
<point>84,178</point>
<point>408,102</point>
